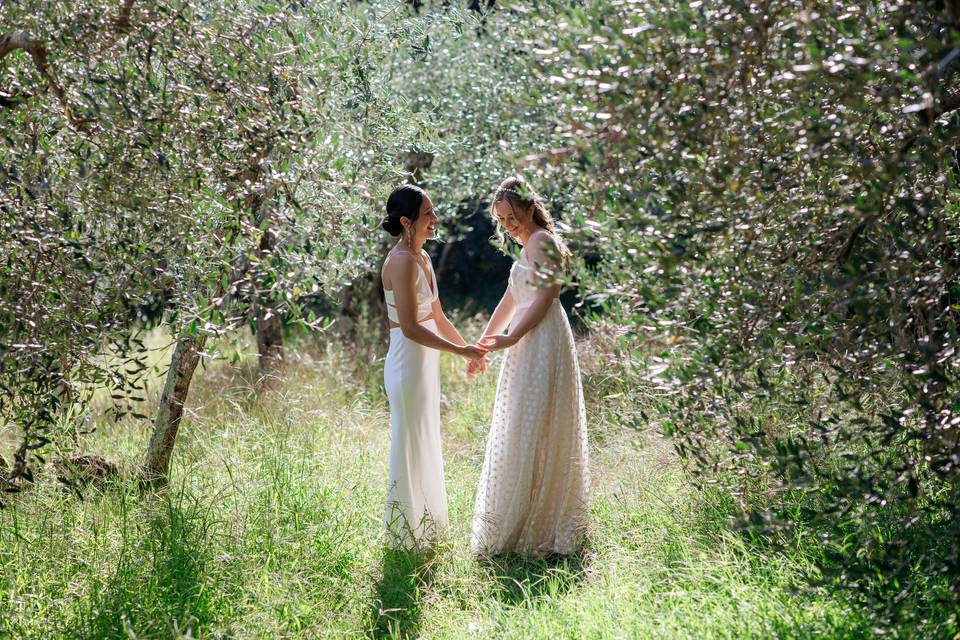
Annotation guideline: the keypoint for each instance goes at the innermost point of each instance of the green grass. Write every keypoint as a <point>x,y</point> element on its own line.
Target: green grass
<point>271,527</point>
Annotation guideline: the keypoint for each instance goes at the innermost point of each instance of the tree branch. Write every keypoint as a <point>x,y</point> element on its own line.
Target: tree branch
<point>123,18</point>
<point>947,105</point>
<point>15,40</point>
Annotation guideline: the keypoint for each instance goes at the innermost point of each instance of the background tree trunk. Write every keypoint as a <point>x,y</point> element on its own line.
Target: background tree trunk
<point>186,355</point>
<point>268,321</point>
<point>269,337</point>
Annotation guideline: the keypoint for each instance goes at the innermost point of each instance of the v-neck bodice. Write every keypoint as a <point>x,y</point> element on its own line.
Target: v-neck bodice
<point>425,290</point>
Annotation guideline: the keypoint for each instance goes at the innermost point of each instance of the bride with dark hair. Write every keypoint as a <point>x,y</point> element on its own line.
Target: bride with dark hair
<point>416,496</point>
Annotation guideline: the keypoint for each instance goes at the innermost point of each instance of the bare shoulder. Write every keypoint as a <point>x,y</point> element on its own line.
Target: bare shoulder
<point>541,245</point>
<point>399,260</point>
<point>540,239</point>
<point>398,264</point>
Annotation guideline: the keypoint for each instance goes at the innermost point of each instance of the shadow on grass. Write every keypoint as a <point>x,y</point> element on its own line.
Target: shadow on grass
<point>406,576</point>
<point>157,589</point>
<point>517,579</point>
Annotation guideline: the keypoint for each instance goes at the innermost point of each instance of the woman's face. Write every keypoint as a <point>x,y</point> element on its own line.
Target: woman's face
<point>510,218</point>
<point>425,226</point>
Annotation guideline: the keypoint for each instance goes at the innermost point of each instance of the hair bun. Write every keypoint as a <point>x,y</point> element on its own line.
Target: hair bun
<point>404,202</point>
<point>391,224</point>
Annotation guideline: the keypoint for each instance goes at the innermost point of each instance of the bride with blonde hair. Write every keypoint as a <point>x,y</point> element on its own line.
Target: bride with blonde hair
<point>532,495</point>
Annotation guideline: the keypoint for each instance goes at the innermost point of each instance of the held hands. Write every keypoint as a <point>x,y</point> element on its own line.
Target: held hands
<point>477,366</point>
<point>477,359</point>
<point>473,352</point>
<point>497,342</point>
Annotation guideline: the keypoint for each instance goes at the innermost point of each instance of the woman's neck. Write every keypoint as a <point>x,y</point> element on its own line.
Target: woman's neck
<point>416,249</point>
<point>527,230</point>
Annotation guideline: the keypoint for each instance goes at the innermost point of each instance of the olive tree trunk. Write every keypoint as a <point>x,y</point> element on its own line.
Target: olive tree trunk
<point>269,337</point>
<point>267,319</point>
<point>186,355</point>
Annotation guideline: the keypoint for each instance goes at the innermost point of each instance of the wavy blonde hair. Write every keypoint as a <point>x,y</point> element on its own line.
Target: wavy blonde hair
<point>517,193</point>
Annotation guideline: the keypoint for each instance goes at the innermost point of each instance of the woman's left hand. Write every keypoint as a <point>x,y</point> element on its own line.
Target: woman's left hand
<point>497,342</point>
<point>475,367</point>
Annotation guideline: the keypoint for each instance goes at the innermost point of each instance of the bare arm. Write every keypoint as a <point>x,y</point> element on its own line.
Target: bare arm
<point>400,275</point>
<point>497,323</point>
<point>450,333</point>
<point>538,248</point>
<point>502,315</point>
<point>444,327</point>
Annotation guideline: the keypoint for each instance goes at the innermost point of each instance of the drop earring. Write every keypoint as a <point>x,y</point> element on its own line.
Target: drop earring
<point>407,238</point>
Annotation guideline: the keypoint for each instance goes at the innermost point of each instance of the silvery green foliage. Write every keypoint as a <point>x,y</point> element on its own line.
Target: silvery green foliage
<point>771,191</point>
<point>469,73</point>
<point>147,147</point>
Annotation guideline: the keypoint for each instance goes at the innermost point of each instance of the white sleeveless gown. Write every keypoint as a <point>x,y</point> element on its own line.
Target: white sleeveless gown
<point>416,496</point>
<point>532,496</point>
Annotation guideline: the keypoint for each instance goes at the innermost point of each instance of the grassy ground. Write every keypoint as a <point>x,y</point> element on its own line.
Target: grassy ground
<point>270,528</point>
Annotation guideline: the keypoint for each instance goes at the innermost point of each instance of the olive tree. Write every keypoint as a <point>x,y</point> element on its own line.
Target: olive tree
<point>772,189</point>
<point>230,152</point>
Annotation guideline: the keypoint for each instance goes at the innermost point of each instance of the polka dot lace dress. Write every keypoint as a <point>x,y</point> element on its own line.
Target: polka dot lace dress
<point>532,496</point>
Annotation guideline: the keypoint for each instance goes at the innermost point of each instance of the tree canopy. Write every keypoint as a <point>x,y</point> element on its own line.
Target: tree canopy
<point>763,196</point>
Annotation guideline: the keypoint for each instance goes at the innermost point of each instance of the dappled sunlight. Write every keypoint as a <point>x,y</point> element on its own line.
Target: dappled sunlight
<point>716,294</point>
<point>275,508</point>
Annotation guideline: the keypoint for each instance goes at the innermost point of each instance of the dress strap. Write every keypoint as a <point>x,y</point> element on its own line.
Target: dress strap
<point>424,299</point>
<point>391,301</point>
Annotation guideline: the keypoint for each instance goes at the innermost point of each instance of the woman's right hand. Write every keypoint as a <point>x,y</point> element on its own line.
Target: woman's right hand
<point>472,352</point>
<point>475,367</point>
